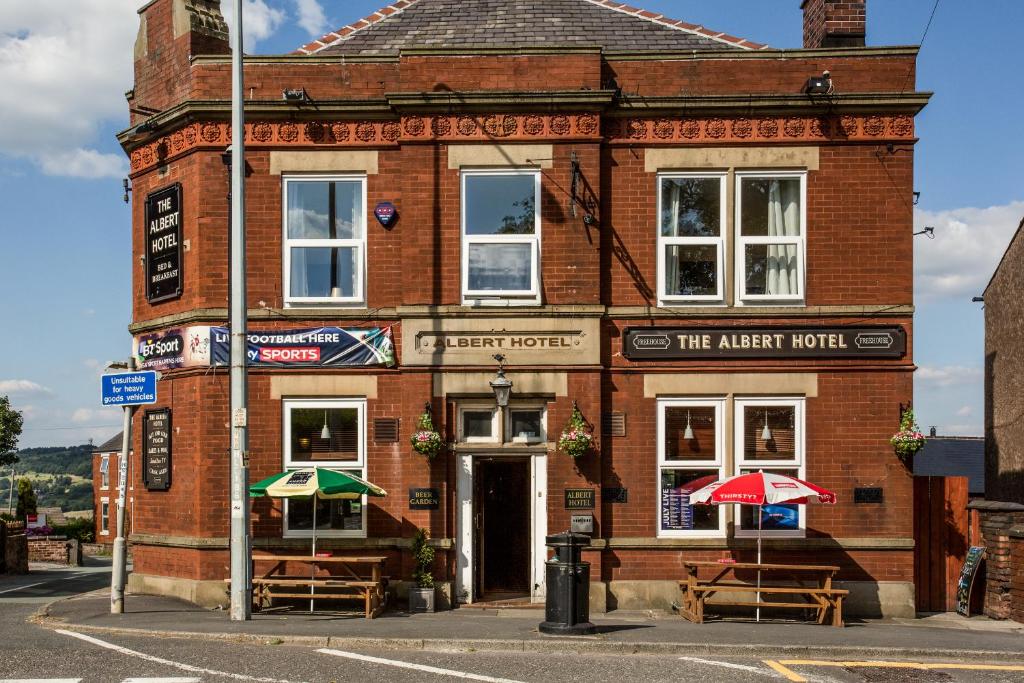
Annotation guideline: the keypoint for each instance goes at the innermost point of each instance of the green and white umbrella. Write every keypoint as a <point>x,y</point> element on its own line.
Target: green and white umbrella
<point>312,483</point>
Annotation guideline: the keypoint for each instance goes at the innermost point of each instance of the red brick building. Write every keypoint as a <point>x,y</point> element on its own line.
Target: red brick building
<point>106,461</point>
<point>664,225</point>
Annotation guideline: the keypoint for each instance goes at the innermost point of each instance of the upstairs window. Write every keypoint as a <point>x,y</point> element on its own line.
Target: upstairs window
<point>324,240</point>
<point>691,238</point>
<point>772,243</point>
<point>105,472</point>
<point>501,237</point>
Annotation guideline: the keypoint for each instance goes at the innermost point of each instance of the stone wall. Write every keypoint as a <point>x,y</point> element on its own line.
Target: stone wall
<point>1017,573</point>
<point>15,549</point>
<point>998,522</point>
<point>55,549</point>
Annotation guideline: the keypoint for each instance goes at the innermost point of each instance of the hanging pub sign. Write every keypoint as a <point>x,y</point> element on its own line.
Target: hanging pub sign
<point>315,347</point>
<point>156,450</point>
<point>682,343</point>
<point>163,244</point>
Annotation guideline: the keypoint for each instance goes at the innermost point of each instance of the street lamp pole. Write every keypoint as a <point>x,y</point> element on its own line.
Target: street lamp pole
<point>240,551</point>
<point>119,571</point>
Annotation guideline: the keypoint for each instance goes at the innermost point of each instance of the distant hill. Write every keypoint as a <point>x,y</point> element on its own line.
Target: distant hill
<point>61,476</point>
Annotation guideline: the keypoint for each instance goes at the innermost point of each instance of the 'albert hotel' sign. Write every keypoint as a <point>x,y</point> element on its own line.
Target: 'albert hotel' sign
<point>671,343</point>
<point>163,244</point>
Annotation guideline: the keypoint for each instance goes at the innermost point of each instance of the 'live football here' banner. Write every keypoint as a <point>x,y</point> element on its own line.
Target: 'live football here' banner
<point>317,347</point>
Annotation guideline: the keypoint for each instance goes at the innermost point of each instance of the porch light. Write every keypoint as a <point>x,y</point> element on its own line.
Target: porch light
<point>688,434</point>
<point>766,434</point>
<point>501,385</point>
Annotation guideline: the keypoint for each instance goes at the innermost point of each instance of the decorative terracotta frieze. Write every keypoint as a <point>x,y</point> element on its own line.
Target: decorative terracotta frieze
<point>760,129</point>
<point>526,127</point>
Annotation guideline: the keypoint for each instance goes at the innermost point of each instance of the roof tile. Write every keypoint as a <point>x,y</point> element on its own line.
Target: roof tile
<point>519,23</point>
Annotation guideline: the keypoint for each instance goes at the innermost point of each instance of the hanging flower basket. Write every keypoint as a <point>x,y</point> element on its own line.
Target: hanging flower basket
<point>908,440</point>
<point>577,437</point>
<point>425,439</point>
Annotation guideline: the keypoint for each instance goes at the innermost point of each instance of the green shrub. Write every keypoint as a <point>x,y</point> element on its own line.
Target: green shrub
<point>84,530</point>
<point>423,555</point>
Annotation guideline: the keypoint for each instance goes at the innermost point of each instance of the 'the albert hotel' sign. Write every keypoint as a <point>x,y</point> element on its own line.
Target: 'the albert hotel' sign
<point>672,343</point>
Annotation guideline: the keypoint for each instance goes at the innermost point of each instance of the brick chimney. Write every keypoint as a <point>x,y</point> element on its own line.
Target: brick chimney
<point>171,32</point>
<point>834,23</point>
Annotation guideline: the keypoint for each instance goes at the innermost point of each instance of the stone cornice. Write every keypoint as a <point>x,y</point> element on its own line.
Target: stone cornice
<point>444,102</point>
<point>218,316</point>
<point>616,543</point>
<point>852,103</point>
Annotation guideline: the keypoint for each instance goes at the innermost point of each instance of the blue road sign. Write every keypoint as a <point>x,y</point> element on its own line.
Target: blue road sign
<point>129,388</point>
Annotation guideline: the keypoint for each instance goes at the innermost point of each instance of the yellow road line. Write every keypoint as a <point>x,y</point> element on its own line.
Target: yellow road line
<point>786,673</point>
<point>892,665</point>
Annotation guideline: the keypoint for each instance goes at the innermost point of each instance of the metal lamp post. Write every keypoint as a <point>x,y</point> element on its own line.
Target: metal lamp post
<point>501,385</point>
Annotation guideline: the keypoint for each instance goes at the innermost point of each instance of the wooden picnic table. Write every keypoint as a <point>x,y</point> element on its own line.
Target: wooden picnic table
<point>819,595</point>
<point>274,583</point>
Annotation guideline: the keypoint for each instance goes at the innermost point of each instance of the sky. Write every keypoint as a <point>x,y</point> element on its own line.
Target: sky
<point>65,263</point>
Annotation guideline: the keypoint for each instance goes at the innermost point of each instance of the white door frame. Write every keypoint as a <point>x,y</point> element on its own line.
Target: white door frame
<point>464,526</point>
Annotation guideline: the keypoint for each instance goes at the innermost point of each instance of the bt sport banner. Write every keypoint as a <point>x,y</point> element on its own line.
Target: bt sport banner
<point>205,346</point>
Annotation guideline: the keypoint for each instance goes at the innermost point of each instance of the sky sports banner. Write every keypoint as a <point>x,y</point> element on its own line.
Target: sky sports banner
<point>205,346</point>
<point>316,347</point>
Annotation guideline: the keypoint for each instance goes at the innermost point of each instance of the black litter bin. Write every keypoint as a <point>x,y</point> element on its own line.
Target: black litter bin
<point>567,606</point>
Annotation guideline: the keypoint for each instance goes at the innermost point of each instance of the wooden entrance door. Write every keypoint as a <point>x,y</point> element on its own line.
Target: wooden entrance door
<point>501,520</point>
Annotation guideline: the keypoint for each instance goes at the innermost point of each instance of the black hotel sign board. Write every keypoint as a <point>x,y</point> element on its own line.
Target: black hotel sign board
<point>156,450</point>
<point>163,244</point>
<point>424,499</point>
<point>686,343</point>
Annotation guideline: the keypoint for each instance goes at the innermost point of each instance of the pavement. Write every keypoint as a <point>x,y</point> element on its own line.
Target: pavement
<point>516,631</point>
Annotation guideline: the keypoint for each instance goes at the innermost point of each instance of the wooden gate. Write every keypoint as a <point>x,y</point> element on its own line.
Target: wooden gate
<point>941,530</point>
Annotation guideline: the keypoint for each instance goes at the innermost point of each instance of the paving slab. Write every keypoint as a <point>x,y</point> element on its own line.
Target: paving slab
<point>516,630</point>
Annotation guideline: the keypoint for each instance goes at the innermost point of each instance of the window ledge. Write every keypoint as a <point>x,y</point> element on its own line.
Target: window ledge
<point>504,448</point>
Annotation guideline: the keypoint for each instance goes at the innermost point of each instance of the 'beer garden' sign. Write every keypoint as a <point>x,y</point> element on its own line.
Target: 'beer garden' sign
<point>163,244</point>
<point>679,343</point>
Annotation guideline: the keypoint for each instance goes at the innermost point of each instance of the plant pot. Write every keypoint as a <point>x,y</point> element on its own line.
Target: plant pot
<point>421,600</point>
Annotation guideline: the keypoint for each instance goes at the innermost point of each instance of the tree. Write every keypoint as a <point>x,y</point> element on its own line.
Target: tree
<point>10,430</point>
<point>26,499</point>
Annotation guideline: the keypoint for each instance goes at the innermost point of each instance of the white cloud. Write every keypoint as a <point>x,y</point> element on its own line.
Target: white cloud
<point>261,21</point>
<point>311,17</point>
<point>64,71</point>
<point>965,411</point>
<point>948,376</point>
<point>83,163</point>
<point>93,416</point>
<point>968,244</point>
<point>23,387</point>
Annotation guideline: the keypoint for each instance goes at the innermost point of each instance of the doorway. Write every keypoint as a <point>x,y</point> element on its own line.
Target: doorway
<point>501,520</point>
<point>485,523</point>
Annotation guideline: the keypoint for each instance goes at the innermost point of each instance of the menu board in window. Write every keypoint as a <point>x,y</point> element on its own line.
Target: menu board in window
<point>156,450</point>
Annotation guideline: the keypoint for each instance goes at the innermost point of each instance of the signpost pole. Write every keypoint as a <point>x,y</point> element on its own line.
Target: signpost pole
<point>10,496</point>
<point>119,573</point>
<point>240,563</point>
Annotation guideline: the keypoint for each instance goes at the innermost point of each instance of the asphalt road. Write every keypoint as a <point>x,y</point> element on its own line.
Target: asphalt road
<point>31,652</point>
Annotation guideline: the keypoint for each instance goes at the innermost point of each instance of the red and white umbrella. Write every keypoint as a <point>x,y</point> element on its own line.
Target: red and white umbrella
<point>761,488</point>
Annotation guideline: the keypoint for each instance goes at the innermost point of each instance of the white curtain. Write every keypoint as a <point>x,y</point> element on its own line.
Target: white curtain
<point>300,280</point>
<point>783,221</point>
<point>672,253</point>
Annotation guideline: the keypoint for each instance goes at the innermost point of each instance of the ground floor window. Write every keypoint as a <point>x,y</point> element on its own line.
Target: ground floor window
<point>695,449</point>
<point>104,516</point>
<point>329,434</point>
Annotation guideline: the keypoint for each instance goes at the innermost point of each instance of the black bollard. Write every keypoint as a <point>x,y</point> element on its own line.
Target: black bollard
<point>567,605</point>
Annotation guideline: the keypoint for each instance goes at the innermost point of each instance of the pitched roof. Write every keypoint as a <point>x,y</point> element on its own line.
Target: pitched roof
<point>519,23</point>
<point>110,445</point>
<point>953,456</point>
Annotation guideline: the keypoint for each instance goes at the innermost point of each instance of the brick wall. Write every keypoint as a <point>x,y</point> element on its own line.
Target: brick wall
<point>54,549</point>
<point>834,23</point>
<point>1001,565</point>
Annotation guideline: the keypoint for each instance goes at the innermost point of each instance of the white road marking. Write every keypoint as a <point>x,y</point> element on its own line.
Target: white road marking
<point>21,588</point>
<point>167,662</point>
<point>416,667</point>
<point>729,665</point>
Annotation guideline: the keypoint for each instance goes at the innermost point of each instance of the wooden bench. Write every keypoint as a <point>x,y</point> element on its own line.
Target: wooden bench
<point>370,590</point>
<point>821,597</point>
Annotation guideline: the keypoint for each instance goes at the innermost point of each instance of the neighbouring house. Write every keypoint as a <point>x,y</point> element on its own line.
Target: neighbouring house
<point>701,243</point>
<point>105,463</point>
<point>1002,511</point>
<point>954,456</point>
